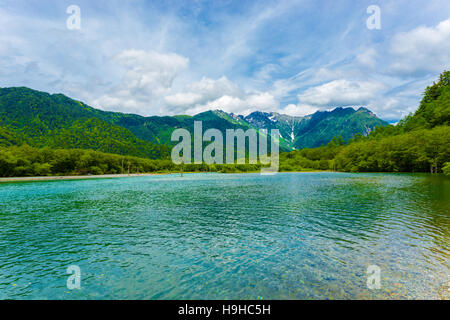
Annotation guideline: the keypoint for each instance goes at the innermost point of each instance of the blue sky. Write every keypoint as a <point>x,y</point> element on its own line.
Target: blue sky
<point>185,57</point>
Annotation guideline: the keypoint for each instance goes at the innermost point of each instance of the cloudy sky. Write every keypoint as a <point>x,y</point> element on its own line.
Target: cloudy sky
<point>184,57</point>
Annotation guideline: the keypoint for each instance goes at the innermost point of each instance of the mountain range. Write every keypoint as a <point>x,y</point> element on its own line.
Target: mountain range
<point>41,119</point>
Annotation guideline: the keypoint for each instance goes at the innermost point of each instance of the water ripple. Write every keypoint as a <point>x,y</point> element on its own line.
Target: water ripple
<point>220,236</point>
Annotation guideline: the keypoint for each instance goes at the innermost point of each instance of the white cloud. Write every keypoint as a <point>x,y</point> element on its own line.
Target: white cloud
<point>258,47</point>
<point>299,109</point>
<point>151,69</point>
<point>263,101</point>
<point>421,50</point>
<point>200,95</point>
<point>221,93</point>
<point>251,102</point>
<point>226,103</point>
<point>182,99</point>
<point>148,77</point>
<point>212,89</point>
<point>367,58</point>
<point>395,107</point>
<point>285,88</point>
<point>340,93</point>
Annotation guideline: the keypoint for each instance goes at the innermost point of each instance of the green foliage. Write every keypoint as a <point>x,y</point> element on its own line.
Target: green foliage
<point>419,143</point>
<point>416,151</point>
<point>434,108</point>
<point>43,120</point>
<point>19,161</point>
<point>9,138</point>
<point>28,161</point>
<point>446,168</point>
<point>321,127</point>
<point>60,129</point>
<point>312,159</point>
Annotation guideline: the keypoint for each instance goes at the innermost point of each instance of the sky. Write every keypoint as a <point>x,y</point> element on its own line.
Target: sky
<point>185,57</point>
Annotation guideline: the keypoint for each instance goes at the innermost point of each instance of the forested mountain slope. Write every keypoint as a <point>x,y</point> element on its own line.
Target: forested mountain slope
<point>418,143</point>
<point>57,121</point>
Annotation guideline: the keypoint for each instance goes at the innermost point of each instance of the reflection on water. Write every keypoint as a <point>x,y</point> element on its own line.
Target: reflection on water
<point>227,236</point>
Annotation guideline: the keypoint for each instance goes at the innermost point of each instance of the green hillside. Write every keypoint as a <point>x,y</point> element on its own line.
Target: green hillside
<point>322,126</point>
<point>9,138</point>
<point>319,128</point>
<point>57,121</point>
<point>43,120</point>
<point>419,143</point>
<point>59,128</point>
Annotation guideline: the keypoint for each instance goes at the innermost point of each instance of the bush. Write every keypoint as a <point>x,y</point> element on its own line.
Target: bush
<point>446,168</point>
<point>42,169</point>
<point>95,170</point>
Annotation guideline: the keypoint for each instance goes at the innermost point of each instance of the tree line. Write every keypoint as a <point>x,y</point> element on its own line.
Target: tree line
<point>418,143</point>
<point>22,161</point>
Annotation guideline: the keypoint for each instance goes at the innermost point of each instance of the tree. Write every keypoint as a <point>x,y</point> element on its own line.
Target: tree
<point>446,168</point>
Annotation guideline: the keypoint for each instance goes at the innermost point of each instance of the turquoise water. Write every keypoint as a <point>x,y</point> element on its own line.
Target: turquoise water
<point>227,236</point>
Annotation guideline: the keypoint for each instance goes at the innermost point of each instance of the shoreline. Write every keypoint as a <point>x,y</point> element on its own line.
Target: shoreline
<point>102,176</point>
<point>111,176</point>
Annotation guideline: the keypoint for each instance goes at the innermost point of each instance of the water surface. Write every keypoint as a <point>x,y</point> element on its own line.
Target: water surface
<point>227,236</point>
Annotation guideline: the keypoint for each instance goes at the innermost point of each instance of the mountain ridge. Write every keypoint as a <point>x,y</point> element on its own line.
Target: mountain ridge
<point>56,120</point>
<point>300,129</point>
